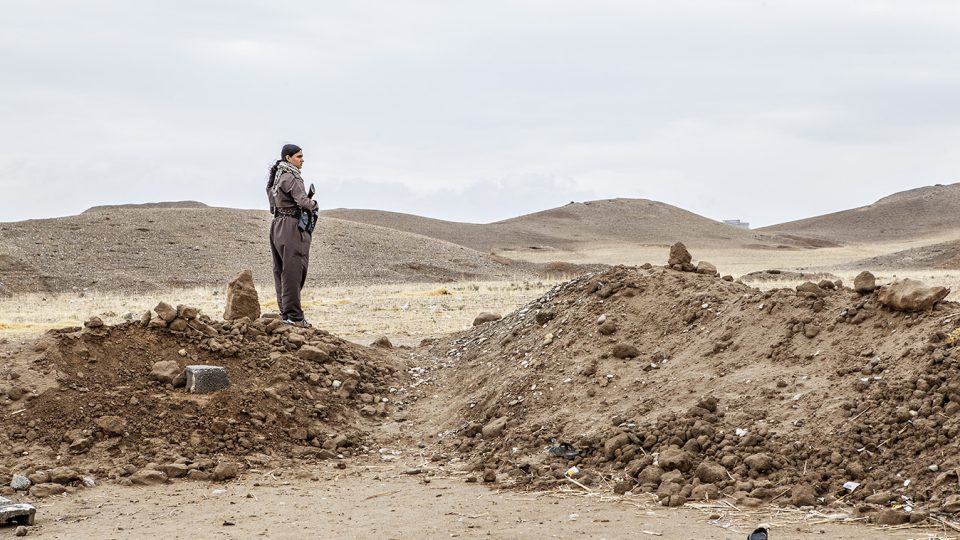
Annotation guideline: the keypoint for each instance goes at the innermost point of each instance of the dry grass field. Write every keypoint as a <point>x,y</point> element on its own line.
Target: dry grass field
<point>404,312</point>
<point>735,261</point>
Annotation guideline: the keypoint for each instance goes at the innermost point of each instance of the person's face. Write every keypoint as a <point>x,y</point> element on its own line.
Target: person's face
<point>296,160</point>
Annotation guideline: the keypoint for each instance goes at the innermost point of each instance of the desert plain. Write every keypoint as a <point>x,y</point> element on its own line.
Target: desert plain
<point>607,391</point>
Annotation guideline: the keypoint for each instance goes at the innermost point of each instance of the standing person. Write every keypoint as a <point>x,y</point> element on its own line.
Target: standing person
<point>288,242</point>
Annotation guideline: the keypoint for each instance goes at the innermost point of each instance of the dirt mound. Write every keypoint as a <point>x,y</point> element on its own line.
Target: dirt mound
<point>917,213</point>
<point>109,401</point>
<point>692,387</point>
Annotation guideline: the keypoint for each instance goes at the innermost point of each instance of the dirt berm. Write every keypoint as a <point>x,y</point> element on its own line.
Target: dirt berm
<point>693,387</point>
<point>108,402</point>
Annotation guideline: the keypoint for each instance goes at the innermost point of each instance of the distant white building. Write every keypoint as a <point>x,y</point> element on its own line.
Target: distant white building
<point>737,223</point>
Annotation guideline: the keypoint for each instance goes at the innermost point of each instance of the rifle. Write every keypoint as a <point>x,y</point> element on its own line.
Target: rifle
<point>308,219</point>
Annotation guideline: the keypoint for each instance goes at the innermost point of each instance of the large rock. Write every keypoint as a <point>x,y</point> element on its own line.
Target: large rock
<point>889,516</point>
<point>810,289</point>
<point>111,425</point>
<point>864,283</point>
<point>63,475</point>
<point>383,342</point>
<point>20,482</point>
<point>242,299</point>
<point>165,371</point>
<point>703,267</point>
<point>174,470</point>
<point>679,256</point>
<point>494,428</point>
<point>166,312</point>
<point>148,477</point>
<point>911,295</point>
<point>710,472</point>
<point>47,490</point>
<point>225,471</point>
<point>803,495</point>
<point>485,317</point>
<point>759,462</point>
<point>675,459</point>
<point>624,351</point>
<point>314,354</point>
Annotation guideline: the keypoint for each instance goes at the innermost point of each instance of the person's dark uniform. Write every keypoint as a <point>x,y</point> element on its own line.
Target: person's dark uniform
<point>290,245</point>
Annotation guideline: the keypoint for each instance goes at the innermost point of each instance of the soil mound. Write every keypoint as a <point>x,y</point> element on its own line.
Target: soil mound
<point>109,401</point>
<point>692,387</point>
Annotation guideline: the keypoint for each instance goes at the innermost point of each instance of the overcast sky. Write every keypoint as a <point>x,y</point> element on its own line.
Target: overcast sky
<point>477,111</point>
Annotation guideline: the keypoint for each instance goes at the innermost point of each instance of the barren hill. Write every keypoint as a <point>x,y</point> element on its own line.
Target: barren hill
<point>917,213</point>
<point>156,205</point>
<point>144,247</point>
<point>942,256</point>
<point>611,221</point>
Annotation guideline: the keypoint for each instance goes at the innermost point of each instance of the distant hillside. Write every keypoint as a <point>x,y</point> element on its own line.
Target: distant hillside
<point>942,256</point>
<point>914,214</point>
<point>146,247</point>
<point>147,206</point>
<point>613,221</point>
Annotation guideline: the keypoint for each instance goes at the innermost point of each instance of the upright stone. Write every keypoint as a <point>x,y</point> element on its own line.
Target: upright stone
<point>242,299</point>
<point>680,258</point>
<point>864,283</point>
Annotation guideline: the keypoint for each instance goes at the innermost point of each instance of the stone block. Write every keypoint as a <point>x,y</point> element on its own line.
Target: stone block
<point>12,513</point>
<point>206,379</point>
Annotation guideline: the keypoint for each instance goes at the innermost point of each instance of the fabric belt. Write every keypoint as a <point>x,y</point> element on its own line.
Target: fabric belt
<point>287,211</point>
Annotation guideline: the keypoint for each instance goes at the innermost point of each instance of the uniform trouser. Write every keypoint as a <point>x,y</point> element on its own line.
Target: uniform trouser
<point>291,256</point>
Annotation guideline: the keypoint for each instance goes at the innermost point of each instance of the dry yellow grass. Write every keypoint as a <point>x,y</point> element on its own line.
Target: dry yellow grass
<point>404,312</point>
<point>733,261</point>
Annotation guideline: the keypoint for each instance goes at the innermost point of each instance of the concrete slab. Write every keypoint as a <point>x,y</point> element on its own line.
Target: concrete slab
<point>12,513</point>
<point>203,379</point>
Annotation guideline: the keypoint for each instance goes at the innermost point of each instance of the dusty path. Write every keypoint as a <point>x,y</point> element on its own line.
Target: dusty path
<point>378,502</point>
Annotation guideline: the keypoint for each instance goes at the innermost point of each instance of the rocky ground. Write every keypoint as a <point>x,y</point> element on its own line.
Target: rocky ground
<point>691,387</point>
<point>671,384</point>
